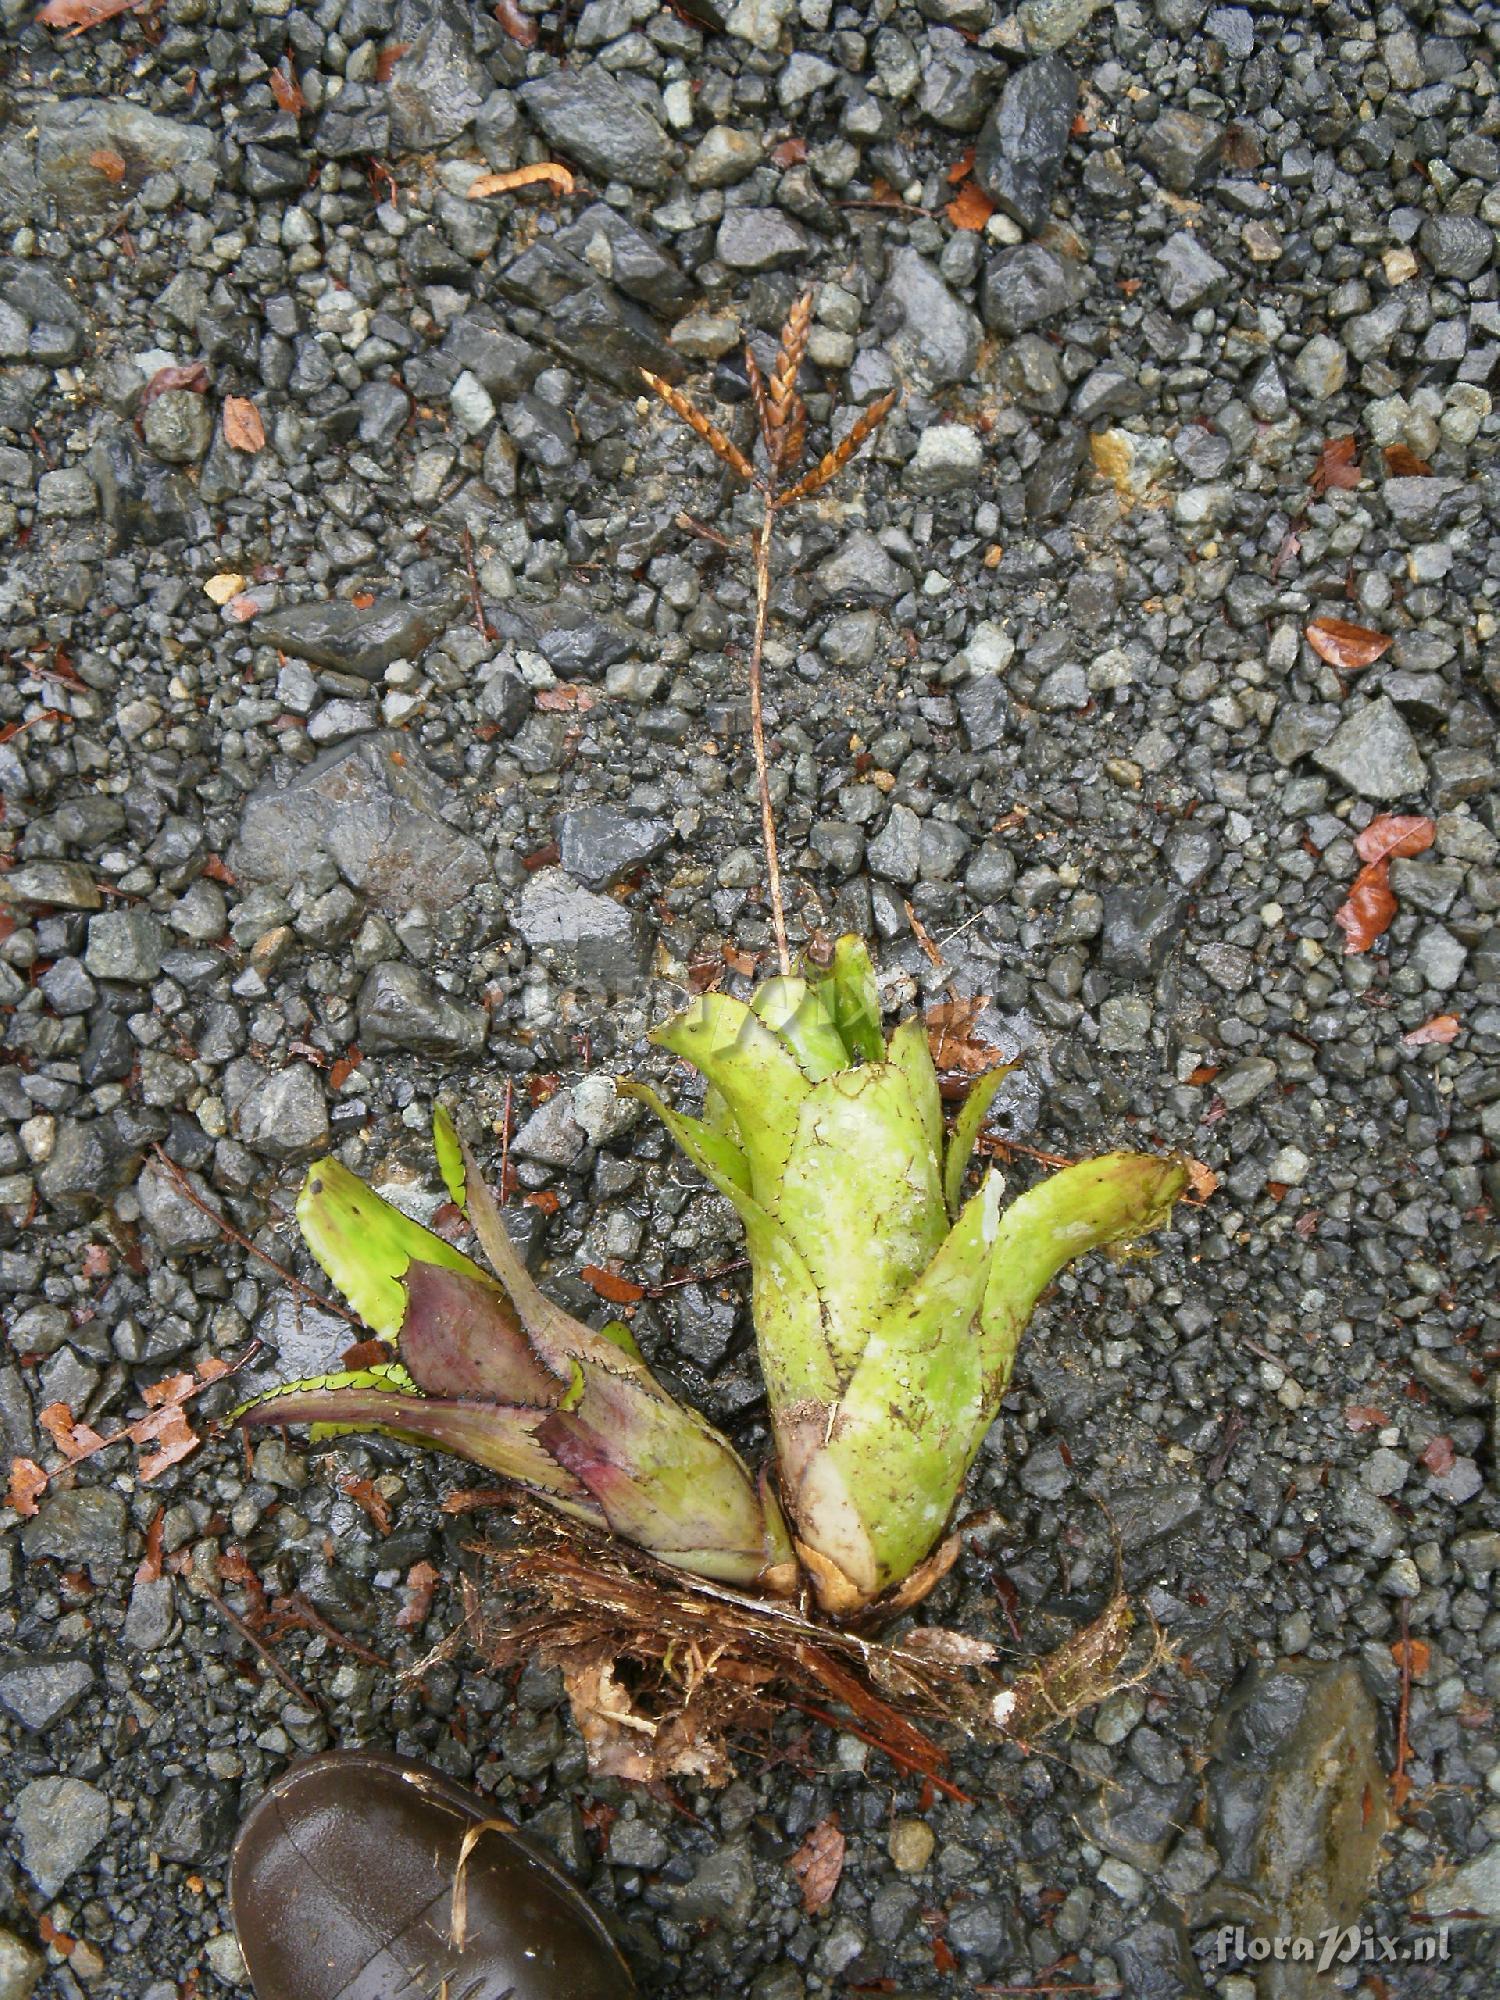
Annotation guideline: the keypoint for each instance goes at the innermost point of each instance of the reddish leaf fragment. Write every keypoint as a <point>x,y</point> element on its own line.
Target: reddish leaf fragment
<point>96,1261</point>
<point>1365,1417</point>
<point>954,1040</point>
<point>520,27</point>
<point>27,1482</point>
<point>109,163</point>
<point>970,208</point>
<point>76,15</point>
<point>962,167</point>
<point>818,1864</point>
<point>148,1569</point>
<point>1400,463</point>
<point>1418,1656</point>
<point>790,153</point>
<point>242,425</point>
<point>565,696</point>
<point>1204,1073</point>
<point>192,375</point>
<point>344,1067</point>
<point>1345,646</point>
<point>74,1440</point>
<point>1366,912</point>
<point>170,1389</point>
<point>1337,466</point>
<point>365,1354</point>
<point>610,1285</point>
<point>1393,836</point>
<point>1439,1455</point>
<point>421,1587</point>
<point>286,89</point>
<point>388,58</point>
<point>1440,1029</point>
<point>367,1495</point>
<point>175,1440</point>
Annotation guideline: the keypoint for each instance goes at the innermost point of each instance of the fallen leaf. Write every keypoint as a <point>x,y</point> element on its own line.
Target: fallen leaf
<point>242,425</point>
<point>742,962</point>
<point>818,1864</point>
<point>76,15</point>
<point>1204,1073</point>
<point>520,27</point>
<point>1365,1417</point>
<point>1418,1655</point>
<point>222,588</point>
<point>367,1495</point>
<point>610,1285</point>
<point>1337,466</point>
<point>388,58</point>
<point>27,1481</point>
<point>953,1040</point>
<point>624,1743</point>
<point>1439,1455</point>
<point>1393,836</point>
<point>949,1648</point>
<point>243,608</point>
<point>74,1440</point>
<point>970,208</point>
<point>1442,1028</point>
<point>962,167</point>
<point>790,153</point>
<point>565,696</point>
<point>1202,1180</point>
<point>1345,646</point>
<point>109,163</point>
<point>148,1569</point>
<point>1366,912</point>
<point>942,1956</point>
<point>96,1262</point>
<point>191,375</point>
<point>421,1587</point>
<point>343,1068</point>
<point>518,177</point>
<point>1402,463</point>
<point>286,89</point>
<point>175,1440</point>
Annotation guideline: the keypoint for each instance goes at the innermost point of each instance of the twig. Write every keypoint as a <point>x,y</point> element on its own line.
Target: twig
<point>189,1193</point>
<point>476,600</point>
<point>288,1681</point>
<point>1400,1783</point>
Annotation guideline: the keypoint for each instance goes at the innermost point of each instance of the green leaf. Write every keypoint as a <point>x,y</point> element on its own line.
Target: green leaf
<point>799,1014</point>
<point>365,1245</point>
<point>966,1130</point>
<point>861,1199</point>
<point>716,1157</point>
<point>450,1157</point>
<point>910,1053</point>
<point>760,1080</point>
<point>854,999</point>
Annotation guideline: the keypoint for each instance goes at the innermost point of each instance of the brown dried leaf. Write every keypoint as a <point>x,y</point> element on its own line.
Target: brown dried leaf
<point>148,1569</point>
<point>1345,646</point>
<point>1365,1417</point>
<point>175,1440</point>
<point>421,1587</point>
<point>242,425</point>
<point>109,163</point>
<point>610,1285</point>
<point>1366,912</point>
<point>970,208</point>
<point>1438,1456</point>
<point>1402,463</point>
<point>818,1864</point>
<point>566,696</point>
<point>27,1483</point>
<point>1202,1180</point>
<point>520,27</point>
<point>623,1743</point>
<point>286,89</point>
<point>790,153</point>
<point>1442,1028</point>
<point>388,58</point>
<point>74,1440</point>
<point>951,1036</point>
<point>518,177</point>
<point>1392,836</point>
<point>1337,466</point>
<point>367,1495</point>
<point>191,375</point>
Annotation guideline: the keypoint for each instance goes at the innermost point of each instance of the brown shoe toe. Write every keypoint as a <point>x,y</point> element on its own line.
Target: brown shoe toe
<point>342,1880</point>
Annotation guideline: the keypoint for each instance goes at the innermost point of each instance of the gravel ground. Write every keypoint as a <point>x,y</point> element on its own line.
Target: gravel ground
<point>291,845</point>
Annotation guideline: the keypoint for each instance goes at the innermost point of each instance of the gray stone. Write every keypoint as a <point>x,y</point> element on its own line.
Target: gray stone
<point>54,153</point>
<point>357,121</point>
<point>66,495</point>
<point>60,1821</point>
<point>1051,24</point>
<point>593,939</point>
<point>1180,148</point>
<point>896,851</point>
<point>1053,480</point>
<point>124,944</point>
<point>723,156</point>
<point>283,1114</point>
<point>39,1689</point>
<point>722,1889</point>
<point>150,1615</point>
<point>1022,143</point>
<point>636,1843</point>
<point>193,1818</point>
<point>1029,371</point>
<point>600,124</point>
<point>932,337</point>
<point>1024,286</point>
<point>590,323</point>
<point>861,572</point>
<point>600,845</point>
<point>21,1968</point>
<point>1140,925</point>
<point>1233,28</point>
<point>142,500</point>
<point>178,426</point>
<point>1321,367</point>
<point>760,239</point>
<point>626,258</point>
<point>355,639</point>
<point>1439,957</point>
<point>552,1135</point>
<point>374,817</point>
<point>1456,246</point>
<point>399,1008</point>
<point>178,1226</point>
<point>1473,1889</point>
<point>64,885</point>
<point>436,89</point>
<point>1244,1081</point>
<point>949,459</point>
<point>1374,754</point>
<point>984,711</point>
<point>1188,276</point>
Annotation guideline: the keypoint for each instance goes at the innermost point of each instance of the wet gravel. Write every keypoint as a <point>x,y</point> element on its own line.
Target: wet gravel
<point>291,843</point>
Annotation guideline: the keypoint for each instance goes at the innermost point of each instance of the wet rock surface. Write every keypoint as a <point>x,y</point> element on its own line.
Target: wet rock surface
<point>408,754</point>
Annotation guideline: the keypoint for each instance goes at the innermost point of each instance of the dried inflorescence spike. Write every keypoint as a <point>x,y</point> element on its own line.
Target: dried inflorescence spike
<point>833,462</point>
<point>695,420</point>
<point>788,418</point>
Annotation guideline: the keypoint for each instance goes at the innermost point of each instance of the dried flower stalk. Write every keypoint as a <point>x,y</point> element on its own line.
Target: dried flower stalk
<point>781,417</point>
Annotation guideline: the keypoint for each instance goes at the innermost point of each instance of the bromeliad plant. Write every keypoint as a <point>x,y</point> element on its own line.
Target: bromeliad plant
<point>888,1308</point>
